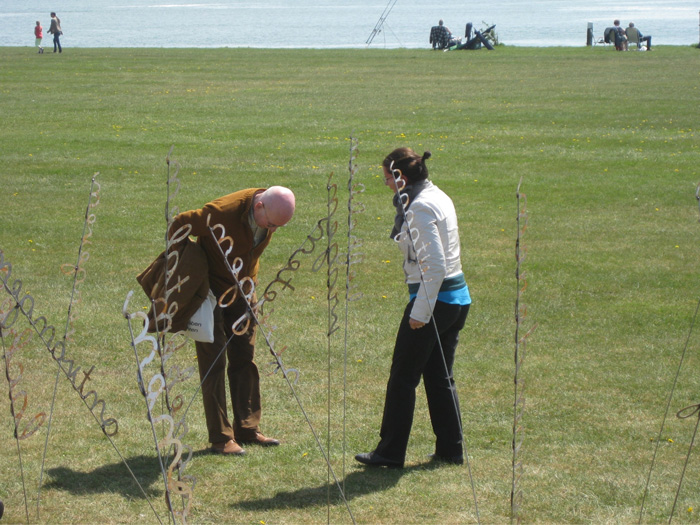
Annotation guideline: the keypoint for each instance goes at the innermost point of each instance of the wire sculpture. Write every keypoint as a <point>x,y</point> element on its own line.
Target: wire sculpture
<point>687,413</point>
<point>516,493</point>
<point>19,306</point>
<point>79,273</point>
<point>154,354</point>
<point>245,288</point>
<point>18,396</point>
<point>331,263</point>
<point>173,455</point>
<point>180,485</point>
<point>352,258</point>
<point>684,413</point>
<point>23,303</point>
<point>665,417</point>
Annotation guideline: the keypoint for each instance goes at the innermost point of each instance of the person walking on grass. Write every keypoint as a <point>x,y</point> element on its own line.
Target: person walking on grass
<point>426,230</point>
<point>56,31</point>
<point>38,36</point>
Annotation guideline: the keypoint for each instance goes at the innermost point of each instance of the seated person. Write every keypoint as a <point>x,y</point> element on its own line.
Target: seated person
<point>609,35</point>
<point>635,35</point>
<point>620,37</point>
<point>440,36</point>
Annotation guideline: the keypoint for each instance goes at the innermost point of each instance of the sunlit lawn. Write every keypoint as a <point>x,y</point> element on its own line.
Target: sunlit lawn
<point>607,148</point>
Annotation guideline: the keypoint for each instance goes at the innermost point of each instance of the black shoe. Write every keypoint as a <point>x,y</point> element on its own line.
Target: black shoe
<point>454,460</point>
<point>375,460</point>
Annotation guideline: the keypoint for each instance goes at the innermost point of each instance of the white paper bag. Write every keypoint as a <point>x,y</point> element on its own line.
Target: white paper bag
<point>200,327</point>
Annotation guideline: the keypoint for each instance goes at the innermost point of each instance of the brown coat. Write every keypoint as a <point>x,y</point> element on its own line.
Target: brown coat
<point>188,286</point>
<point>232,212</point>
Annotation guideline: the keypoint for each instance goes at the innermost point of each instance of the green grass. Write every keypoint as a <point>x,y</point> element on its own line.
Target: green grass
<point>608,150</point>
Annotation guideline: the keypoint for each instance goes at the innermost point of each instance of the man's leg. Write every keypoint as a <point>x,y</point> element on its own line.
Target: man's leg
<point>212,372</point>
<point>243,377</point>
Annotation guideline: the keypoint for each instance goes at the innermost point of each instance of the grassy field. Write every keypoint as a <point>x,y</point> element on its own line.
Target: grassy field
<point>608,149</point>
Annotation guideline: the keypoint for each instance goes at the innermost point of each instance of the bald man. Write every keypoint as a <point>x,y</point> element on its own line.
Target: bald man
<point>250,217</point>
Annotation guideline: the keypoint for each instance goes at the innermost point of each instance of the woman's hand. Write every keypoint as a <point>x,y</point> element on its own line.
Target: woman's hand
<point>415,324</point>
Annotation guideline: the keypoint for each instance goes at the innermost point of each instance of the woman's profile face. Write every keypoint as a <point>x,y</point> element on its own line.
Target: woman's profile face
<point>390,181</point>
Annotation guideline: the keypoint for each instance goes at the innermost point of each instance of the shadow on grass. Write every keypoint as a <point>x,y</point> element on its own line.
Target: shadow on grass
<point>358,483</point>
<point>112,478</point>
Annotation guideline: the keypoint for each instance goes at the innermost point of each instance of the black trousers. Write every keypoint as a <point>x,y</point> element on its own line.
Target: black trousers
<point>417,354</point>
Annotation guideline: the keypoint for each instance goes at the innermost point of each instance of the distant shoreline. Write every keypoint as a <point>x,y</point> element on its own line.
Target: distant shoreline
<point>363,48</point>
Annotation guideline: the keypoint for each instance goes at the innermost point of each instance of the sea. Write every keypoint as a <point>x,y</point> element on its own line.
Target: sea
<point>339,23</point>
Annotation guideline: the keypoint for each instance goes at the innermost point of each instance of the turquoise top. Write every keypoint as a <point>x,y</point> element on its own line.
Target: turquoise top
<point>452,291</point>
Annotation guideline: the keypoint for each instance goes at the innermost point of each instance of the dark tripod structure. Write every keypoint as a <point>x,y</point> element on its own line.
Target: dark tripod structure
<point>378,27</point>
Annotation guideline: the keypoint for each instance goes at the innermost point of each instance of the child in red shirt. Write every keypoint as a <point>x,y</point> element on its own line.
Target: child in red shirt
<point>39,34</point>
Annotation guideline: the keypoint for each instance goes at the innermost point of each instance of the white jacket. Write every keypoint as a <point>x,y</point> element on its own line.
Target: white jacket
<point>432,220</point>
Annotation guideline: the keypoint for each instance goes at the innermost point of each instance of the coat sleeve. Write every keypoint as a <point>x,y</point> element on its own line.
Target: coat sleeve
<point>188,287</point>
<point>430,256</point>
<point>193,223</point>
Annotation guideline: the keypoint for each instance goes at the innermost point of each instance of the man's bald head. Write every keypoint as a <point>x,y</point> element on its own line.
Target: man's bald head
<point>274,207</point>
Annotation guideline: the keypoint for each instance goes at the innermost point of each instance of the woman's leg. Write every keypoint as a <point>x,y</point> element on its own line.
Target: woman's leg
<point>412,351</point>
<point>440,390</point>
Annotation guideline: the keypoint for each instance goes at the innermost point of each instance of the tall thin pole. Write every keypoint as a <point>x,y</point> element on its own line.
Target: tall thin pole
<point>378,27</point>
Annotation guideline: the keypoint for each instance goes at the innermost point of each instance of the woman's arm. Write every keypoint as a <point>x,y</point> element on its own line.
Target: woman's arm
<point>430,257</point>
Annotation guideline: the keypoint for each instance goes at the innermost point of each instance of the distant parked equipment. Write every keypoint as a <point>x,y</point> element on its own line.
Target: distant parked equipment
<point>486,38</point>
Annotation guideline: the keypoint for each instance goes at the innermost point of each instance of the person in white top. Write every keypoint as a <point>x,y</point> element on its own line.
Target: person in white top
<point>426,230</point>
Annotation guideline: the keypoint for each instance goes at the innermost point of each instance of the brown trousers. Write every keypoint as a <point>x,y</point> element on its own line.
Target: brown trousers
<point>243,378</point>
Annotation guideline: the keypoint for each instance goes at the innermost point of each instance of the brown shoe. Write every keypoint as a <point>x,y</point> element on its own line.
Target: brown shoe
<point>230,448</point>
<point>261,440</point>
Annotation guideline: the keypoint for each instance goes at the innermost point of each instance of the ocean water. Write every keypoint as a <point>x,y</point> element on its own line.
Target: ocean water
<point>338,23</point>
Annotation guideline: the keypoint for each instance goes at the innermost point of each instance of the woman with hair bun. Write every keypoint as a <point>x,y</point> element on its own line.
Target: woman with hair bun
<point>426,231</point>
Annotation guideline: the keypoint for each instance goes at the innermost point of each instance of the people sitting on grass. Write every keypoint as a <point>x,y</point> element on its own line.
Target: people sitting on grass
<point>441,36</point>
